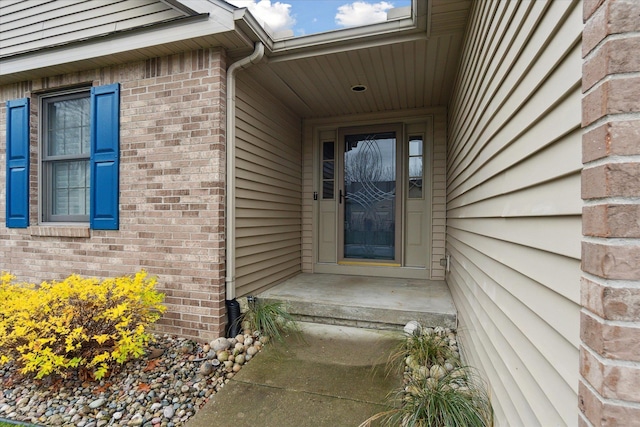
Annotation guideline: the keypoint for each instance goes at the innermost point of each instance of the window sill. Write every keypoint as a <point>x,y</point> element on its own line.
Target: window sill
<point>60,231</point>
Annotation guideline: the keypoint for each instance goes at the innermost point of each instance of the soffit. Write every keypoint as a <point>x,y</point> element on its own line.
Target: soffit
<point>404,71</point>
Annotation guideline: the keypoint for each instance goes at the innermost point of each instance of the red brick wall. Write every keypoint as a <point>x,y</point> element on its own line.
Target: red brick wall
<point>172,190</point>
<point>609,389</point>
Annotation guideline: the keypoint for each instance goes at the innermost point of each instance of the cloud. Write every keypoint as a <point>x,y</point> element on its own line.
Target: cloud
<point>362,13</point>
<point>276,15</point>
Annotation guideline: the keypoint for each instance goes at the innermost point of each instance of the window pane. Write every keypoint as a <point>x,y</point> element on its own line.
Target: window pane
<point>61,175</point>
<point>85,142</point>
<point>70,188</point>
<point>60,202</point>
<point>327,170</point>
<point>327,151</point>
<point>76,174</point>
<point>415,167</point>
<point>68,126</point>
<point>415,188</point>
<point>72,143</point>
<point>370,208</point>
<point>327,189</point>
<point>415,146</point>
<point>56,142</point>
<point>55,115</point>
<point>76,201</point>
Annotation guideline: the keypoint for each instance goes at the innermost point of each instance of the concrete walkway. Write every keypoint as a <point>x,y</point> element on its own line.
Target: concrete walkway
<point>331,376</point>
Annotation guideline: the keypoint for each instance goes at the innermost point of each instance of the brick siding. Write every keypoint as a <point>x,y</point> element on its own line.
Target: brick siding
<point>609,389</point>
<point>172,189</point>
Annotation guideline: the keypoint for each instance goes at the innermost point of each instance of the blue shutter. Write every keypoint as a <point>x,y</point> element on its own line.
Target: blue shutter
<point>105,157</point>
<point>18,163</point>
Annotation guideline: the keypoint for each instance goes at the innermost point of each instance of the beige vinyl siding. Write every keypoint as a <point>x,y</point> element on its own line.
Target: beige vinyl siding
<point>308,188</point>
<point>268,189</point>
<point>34,24</point>
<point>513,205</point>
<point>438,196</point>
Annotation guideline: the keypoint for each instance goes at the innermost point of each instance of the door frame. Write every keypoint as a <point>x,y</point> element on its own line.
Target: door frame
<point>319,130</point>
<point>398,259</point>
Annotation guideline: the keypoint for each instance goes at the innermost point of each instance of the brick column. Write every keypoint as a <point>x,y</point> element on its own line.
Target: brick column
<point>609,388</point>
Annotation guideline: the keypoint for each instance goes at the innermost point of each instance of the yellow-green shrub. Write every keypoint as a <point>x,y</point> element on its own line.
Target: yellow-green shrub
<point>57,327</point>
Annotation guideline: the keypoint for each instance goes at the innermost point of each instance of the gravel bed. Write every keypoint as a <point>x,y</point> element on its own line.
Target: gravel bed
<point>164,389</point>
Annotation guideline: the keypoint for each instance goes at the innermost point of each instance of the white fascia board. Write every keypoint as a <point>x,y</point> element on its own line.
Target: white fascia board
<point>180,7</point>
<point>119,43</point>
<point>201,6</point>
<point>344,35</point>
<point>329,49</point>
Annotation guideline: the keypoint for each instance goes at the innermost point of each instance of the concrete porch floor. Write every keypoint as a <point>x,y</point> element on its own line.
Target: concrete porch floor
<point>367,302</point>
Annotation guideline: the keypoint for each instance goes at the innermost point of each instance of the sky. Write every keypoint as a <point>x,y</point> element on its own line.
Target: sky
<point>315,16</point>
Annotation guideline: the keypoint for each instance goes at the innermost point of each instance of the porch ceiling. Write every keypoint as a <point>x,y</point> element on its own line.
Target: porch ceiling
<point>398,74</point>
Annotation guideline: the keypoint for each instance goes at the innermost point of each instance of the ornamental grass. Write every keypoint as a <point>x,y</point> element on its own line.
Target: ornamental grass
<point>270,318</point>
<point>438,391</point>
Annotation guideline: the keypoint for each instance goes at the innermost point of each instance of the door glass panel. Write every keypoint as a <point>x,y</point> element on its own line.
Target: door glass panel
<point>328,169</point>
<point>415,146</point>
<point>370,196</point>
<point>416,168</point>
<point>327,189</point>
<point>327,151</point>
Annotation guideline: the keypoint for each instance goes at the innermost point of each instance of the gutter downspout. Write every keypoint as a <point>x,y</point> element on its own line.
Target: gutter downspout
<point>230,202</point>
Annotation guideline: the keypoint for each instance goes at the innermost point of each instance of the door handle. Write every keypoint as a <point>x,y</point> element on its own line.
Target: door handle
<point>342,196</point>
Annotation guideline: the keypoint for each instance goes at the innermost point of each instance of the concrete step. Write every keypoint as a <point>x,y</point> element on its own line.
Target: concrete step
<point>366,302</point>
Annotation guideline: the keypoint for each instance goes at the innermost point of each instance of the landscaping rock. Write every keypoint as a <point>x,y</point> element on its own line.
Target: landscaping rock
<point>165,388</point>
<point>97,403</point>
<point>220,344</point>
